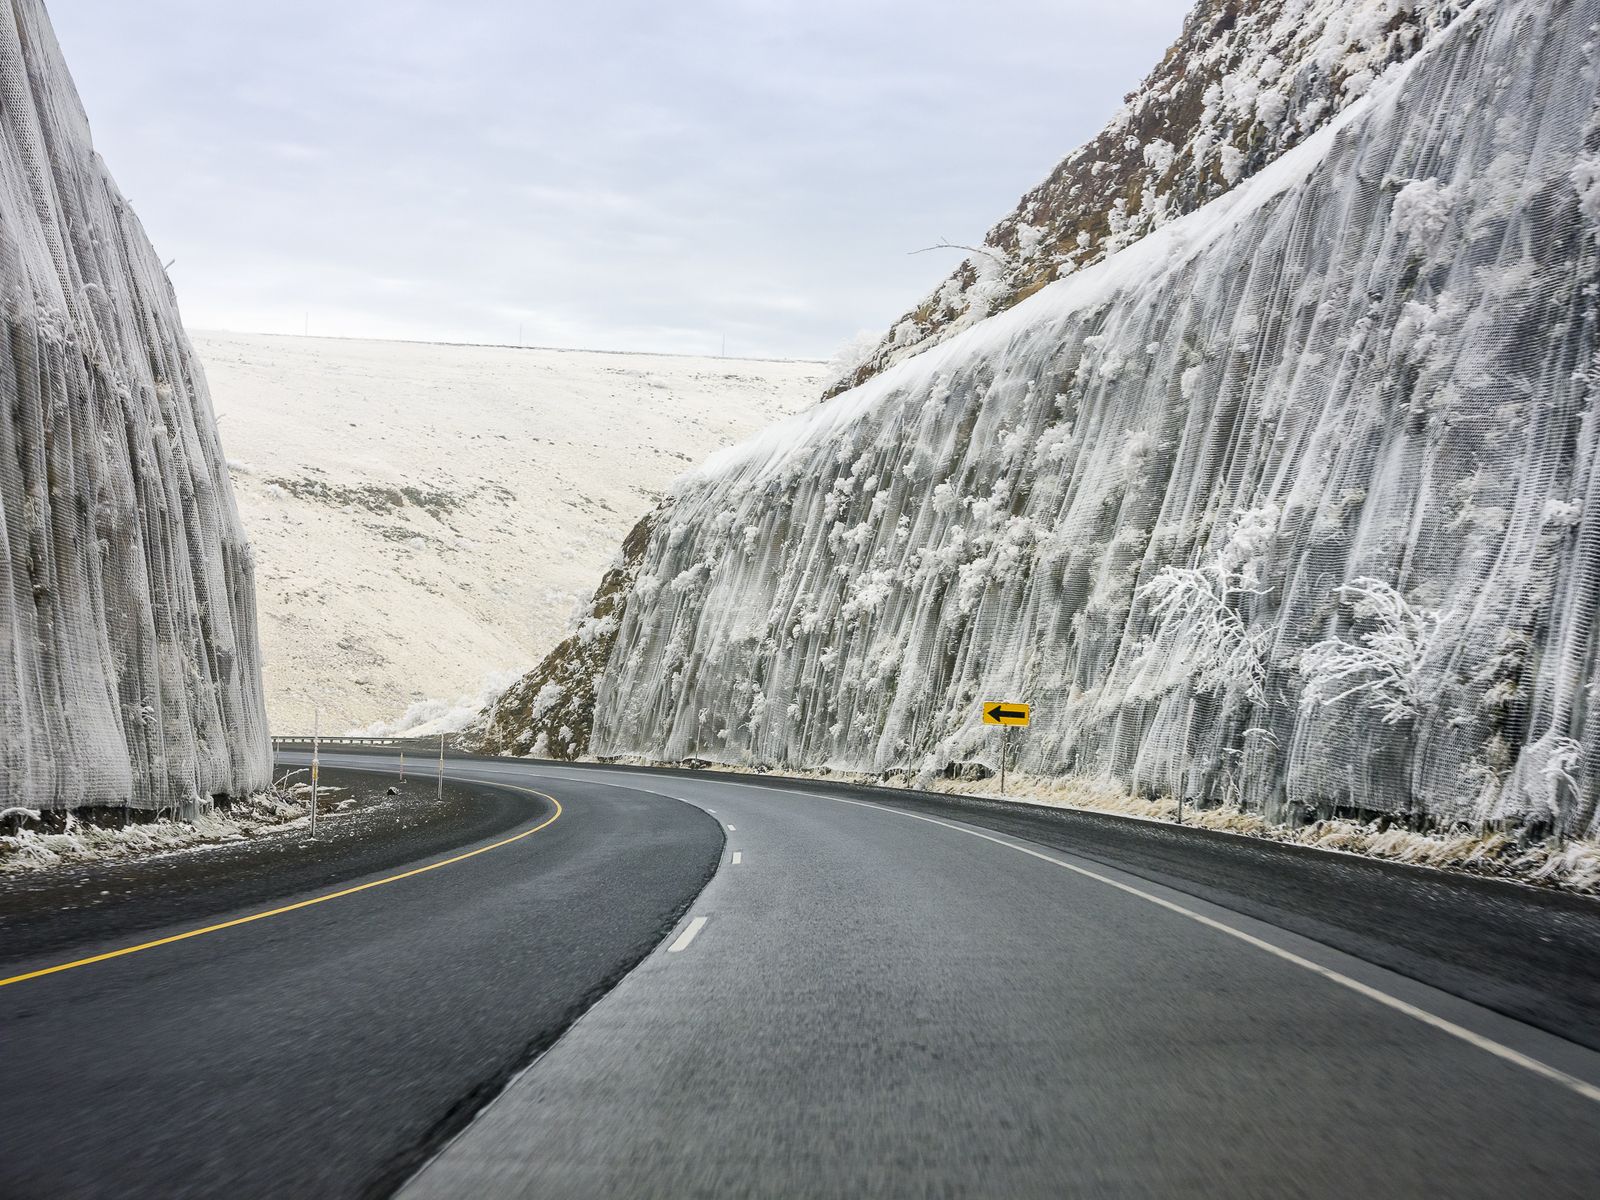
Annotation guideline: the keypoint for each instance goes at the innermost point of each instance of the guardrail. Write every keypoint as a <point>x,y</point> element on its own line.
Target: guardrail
<point>340,741</point>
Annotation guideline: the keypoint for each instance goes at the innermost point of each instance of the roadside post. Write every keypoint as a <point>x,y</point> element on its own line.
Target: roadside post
<point>1008,715</point>
<point>439,789</point>
<point>1183,776</point>
<point>316,741</point>
<point>402,764</point>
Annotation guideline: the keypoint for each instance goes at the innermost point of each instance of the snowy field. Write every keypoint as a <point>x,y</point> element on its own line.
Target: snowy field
<point>424,516</point>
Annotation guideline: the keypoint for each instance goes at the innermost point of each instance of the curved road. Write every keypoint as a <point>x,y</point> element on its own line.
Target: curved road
<point>868,998</point>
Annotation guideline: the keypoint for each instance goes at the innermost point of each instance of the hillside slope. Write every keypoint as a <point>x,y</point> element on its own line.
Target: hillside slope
<point>1287,503</point>
<point>129,666</point>
<point>1245,81</point>
<point>426,516</point>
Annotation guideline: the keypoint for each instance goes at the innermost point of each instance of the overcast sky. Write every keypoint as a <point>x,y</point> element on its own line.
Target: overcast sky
<point>617,175</point>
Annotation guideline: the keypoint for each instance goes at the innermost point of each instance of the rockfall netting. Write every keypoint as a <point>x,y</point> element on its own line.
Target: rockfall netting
<point>1291,502</point>
<point>130,672</point>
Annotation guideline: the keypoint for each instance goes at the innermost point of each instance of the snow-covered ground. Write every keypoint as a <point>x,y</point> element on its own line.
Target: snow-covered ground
<point>425,516</point>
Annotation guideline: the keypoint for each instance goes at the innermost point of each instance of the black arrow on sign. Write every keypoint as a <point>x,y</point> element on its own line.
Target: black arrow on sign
<point>999,712</point>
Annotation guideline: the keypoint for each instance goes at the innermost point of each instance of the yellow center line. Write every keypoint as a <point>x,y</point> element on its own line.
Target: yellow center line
<point>288,908</point>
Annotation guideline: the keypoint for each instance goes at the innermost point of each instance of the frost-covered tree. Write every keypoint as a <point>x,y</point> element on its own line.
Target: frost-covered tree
<point>850,357</point>
<point>1201,634</point>
<point>1383,668</point>
<point>1200,629</point>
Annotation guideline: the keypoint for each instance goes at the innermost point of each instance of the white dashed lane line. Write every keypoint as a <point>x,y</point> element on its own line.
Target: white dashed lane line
<point>687,935</point>
<point>738,857</point>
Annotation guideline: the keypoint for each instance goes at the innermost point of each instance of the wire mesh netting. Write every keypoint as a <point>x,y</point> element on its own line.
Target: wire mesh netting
<point>130,672</point>
<point>1287,503</point>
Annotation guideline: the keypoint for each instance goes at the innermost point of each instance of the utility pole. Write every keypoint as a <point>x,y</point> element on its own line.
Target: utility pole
<point>316,742</point>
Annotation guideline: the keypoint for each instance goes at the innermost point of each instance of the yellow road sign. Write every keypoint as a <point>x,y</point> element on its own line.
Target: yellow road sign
<point>1002,712</point>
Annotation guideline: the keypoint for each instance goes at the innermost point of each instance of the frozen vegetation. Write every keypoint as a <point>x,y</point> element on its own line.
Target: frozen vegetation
<point>129,668</point>
<point>1282,507</point>
<point>426,517</point>
<point>27,845</point>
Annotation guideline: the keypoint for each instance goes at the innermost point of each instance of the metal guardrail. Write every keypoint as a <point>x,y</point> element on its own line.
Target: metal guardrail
<point>318,742</point>
<point>305,740</point>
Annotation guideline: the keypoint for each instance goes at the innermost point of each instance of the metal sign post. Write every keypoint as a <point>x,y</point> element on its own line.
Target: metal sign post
<point>1005,752</point>
<point>1007,715</point>
<point>316,742</point>
<point>1183,769</point>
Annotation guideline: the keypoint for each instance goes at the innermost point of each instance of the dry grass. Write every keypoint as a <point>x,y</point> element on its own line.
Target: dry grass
<point>1573,865</point>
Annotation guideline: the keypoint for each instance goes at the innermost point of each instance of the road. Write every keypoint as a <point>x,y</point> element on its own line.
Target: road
<point>870,996</point>
<point>327,1050</point>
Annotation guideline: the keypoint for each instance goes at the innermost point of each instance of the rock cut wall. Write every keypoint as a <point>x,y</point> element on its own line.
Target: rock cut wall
<point>129,667</point>
<point>1345,414</point>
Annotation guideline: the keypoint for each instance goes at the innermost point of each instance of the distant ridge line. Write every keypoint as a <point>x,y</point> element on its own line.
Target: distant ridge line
<point>335,337</point>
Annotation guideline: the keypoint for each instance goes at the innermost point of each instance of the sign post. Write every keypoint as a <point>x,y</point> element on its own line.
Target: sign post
<point>316,741</point>
<point>1008,715</point>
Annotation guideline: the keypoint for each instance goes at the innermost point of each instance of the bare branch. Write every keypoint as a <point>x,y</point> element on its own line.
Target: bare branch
<point>999,258</point>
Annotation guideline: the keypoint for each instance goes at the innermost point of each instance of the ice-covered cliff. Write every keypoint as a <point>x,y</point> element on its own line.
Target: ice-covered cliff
<point>129,669</point>
<point>1288,502</point>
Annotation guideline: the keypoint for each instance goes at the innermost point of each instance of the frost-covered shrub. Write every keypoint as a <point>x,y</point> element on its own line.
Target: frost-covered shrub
<point>850,357</point>
<point>1200,628</point>
<point>1585,176</point>
<point>1384,667</point>
<point>1421,210</point>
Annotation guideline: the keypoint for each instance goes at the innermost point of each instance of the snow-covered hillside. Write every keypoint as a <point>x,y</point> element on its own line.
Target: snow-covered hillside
<point>129,667</point>
<point>1288,503</point>
<point>426,516</point>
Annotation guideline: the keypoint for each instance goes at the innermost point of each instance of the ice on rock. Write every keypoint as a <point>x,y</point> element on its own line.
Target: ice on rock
<point>129,663</point>
<point>1335,428</point>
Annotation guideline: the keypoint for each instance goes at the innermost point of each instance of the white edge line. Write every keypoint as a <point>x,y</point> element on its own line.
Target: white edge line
<point>1585,1089</point>
<point>687,935</point>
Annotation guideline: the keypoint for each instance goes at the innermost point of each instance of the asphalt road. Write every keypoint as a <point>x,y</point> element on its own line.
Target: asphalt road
<point>906,997</point>
<point>328,1050</point>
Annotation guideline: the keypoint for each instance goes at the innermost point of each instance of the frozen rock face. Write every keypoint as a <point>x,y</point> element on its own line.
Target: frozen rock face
<point>129,671</point>
<point>1245,81</point>
<point>1290,502</point>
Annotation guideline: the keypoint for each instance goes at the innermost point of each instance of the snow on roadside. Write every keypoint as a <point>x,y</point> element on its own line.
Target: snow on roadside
<point>1570,865</point>
<point>1573,865</point>
<point>285,806</point>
